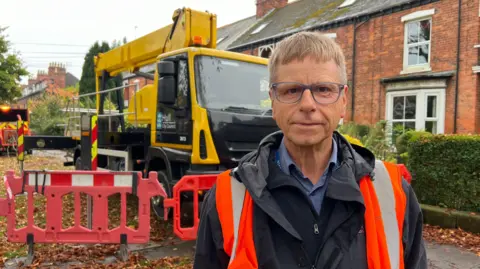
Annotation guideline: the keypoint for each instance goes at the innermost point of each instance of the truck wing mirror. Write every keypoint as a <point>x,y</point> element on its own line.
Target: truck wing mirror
<point>166,82</point>
<point>166,68</point>
<point>166,90</point>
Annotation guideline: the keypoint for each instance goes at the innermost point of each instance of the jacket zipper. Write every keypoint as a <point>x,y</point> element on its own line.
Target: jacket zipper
<point>314,266</point>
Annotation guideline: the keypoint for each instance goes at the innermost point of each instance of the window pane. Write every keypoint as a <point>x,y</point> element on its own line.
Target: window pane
<point>410,107</point>
<point>431,126</point>
<point>432,106</point>
<point>398,105</point>
<point>244,81</point>
<point>413,55</point>
<point>409,125</point>
<point>424,34</point>
<point>183,84</point>
<point>412,32</point>
<point>423,54</point>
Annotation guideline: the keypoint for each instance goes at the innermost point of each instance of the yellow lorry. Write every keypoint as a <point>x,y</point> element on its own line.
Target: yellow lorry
<point>203,112</point>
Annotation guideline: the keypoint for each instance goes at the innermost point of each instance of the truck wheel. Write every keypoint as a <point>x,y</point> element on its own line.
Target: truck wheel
<point>157,201</point>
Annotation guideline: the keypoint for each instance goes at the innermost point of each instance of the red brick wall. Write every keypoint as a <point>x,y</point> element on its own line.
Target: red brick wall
<point>58,74</point>
<point>380,45</point>
<point>379,54</point>
<point>129,91</point>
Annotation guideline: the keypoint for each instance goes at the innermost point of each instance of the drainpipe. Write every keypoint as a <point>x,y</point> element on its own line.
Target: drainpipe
<point>455,110</point>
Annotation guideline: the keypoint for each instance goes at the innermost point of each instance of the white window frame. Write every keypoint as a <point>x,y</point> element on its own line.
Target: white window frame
<point>416,17</point>
<point>347,3</point>
<point>420,108</point>
<point>270,47</point>
<point>331,35</point>
<point>260,28</point>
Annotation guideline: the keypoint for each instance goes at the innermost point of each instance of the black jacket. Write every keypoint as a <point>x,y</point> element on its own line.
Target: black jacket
<point>285,223</point>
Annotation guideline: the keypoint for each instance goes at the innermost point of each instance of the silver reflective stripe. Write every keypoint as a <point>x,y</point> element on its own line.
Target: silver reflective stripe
<point>386,199</point>
<point>238,196</point>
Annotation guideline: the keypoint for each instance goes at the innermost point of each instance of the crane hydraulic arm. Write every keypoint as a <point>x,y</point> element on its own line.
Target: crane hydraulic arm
<point>189,28</point>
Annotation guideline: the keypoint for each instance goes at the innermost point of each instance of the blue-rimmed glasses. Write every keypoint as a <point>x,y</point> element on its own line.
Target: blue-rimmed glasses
<point>323,92</point>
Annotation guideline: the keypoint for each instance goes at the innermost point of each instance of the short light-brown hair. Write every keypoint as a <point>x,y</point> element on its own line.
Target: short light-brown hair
<point>300,45</point>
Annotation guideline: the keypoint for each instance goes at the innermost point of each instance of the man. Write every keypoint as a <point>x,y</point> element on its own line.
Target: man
<point>306,198</point>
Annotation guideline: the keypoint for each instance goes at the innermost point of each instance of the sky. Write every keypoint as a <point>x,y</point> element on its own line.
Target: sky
<point>62,31</point>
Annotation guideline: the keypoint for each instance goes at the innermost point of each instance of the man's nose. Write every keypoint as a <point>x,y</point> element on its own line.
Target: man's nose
<point>307,103</point>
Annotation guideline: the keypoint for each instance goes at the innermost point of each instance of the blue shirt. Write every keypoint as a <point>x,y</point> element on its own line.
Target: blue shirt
<point>315,192</point>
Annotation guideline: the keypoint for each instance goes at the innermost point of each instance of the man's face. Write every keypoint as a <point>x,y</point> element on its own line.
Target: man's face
<point>306,122</point>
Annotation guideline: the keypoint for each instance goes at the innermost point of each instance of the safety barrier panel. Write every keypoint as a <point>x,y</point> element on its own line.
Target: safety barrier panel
<point>99,185</point>
<point>94,135</point>
<point>190,183</point>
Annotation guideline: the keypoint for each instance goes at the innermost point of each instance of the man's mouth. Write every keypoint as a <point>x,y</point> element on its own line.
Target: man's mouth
<point>307,123</point>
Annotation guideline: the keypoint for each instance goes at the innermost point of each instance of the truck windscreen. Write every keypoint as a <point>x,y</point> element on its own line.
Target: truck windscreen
<point>224,83</point>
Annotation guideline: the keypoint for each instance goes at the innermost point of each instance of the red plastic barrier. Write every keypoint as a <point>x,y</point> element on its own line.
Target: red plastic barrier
<point>99,184</point>
<point>190,183</point>
<point>405,173</point>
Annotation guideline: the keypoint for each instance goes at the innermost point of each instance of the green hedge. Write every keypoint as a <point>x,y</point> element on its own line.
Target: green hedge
<point>404,140</point>
<point>446,170</point>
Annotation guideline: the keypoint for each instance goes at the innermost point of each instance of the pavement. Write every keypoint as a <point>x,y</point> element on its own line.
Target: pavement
<point>450,257</point>
<point>439,256</point>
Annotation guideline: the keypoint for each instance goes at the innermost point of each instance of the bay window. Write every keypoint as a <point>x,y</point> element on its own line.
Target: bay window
<point>416,110</point>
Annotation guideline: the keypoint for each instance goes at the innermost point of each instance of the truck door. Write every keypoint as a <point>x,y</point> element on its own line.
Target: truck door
<point>174,123</point>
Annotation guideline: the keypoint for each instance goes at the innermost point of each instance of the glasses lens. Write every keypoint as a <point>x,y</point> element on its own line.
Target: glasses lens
<point>288,92</point>
<point>326,93</point>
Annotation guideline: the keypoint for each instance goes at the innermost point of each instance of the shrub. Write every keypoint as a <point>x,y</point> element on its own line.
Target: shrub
<point>446,170</point>
<point>353,140</point>
<point>372,137</point>
<point>354,130</point>
<point>404,140</point>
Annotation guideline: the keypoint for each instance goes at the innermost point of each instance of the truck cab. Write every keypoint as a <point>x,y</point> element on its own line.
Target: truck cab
<point>208,107</point>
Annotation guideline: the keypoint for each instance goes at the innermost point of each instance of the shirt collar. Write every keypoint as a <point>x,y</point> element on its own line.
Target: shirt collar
<point>286,161</point>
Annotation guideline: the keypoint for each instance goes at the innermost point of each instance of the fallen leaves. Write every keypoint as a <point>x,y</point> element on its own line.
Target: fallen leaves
<point>89,256</point>
<point>456,237</point>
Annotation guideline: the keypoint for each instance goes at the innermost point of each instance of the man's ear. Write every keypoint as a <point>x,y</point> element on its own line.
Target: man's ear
<point>272,100</point>
<point>344,101</point>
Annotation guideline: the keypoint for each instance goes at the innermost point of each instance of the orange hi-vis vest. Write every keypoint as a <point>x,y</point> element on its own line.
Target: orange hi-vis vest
<point>385,203</point>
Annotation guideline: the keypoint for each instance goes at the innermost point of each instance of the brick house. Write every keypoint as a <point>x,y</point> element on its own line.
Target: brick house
<point>56,77</point>
<point>402,56</point>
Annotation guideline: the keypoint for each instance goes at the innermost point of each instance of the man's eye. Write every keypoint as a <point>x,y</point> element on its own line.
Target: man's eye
<point>290,91</point>
<point>294,90</point>
<point>323,89</point>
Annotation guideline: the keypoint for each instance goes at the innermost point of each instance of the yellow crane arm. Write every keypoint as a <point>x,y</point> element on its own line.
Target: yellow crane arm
<point>189,28</point>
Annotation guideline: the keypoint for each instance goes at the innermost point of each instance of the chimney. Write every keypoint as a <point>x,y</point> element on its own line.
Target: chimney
<point>264,6</point>
<point>55,69</point>
<point>41,74</point>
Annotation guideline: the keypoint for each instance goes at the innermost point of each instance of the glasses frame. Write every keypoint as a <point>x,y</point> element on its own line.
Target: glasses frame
<point>305,87</point>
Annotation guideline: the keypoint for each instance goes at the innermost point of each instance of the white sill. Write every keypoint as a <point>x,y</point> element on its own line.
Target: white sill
<point>476,69</point>
<point>416,69</point>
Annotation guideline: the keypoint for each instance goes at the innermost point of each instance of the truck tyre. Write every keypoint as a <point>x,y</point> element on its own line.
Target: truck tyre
<point>157,201</point>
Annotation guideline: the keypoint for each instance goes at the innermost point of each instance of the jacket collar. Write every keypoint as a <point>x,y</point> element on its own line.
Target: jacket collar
<point>355,163</point>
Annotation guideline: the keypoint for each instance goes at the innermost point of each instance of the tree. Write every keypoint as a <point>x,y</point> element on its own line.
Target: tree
<point>87,80</point>
<point>47,117</point>
<point>11,70</point>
